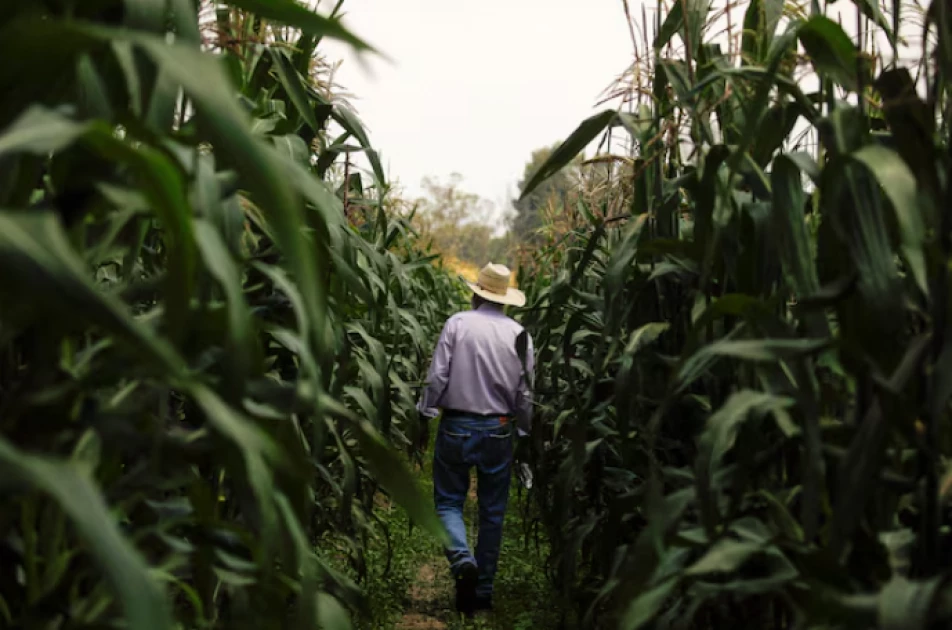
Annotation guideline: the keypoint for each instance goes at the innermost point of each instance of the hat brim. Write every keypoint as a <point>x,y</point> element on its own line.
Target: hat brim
<point>512,297</point>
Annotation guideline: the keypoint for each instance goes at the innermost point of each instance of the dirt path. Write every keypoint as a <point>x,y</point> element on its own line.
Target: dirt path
<point>417,592</point>
<point>429,595</point>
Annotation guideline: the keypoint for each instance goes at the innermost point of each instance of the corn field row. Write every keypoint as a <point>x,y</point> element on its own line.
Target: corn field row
<point>743,333</point>
<point>212,329</point>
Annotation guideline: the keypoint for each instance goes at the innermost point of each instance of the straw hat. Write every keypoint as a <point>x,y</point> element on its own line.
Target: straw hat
<point>493,285</point>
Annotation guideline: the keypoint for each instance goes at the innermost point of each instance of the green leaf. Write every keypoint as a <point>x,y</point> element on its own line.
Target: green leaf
<point>56,281</point>
<point>40,131</point>
<point>623,254</point>
<point>789,226</point>
<point>775,130</point>
<point>348,120</point>
<point>331,614</point>
<point>94,97</point>
<point>159,178</point>
<point>292,14</point>
<point>695,20</point>
<point>563,154</point>
<point>294,147</point>
<point>258,165</point>
<point>912,125</point>
<point>870,8</point>
<point>219,262</point>
<point>291,81</point>
<point>397,480</point>
<point>719,437</point>
<point>905,604</point>
<point>676,72</point>
<point>145,15</point>
<point>755,350</point>
<point>643,609</point>
<point>672,25</point>
<point>160,113</point>
<point>71,486</point>
<point>185,21</point>
<point>723,427</point>
<point>899,184</point>
<point>645,335</point>
<point>685,16</point>
<point>853,201</point>
<point>760,25</point>
<point>830,49</point>
<point>726,556</point>
<point>255,447</point>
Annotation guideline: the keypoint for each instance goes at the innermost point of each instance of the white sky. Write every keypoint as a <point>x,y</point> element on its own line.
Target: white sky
<point>475,86</point>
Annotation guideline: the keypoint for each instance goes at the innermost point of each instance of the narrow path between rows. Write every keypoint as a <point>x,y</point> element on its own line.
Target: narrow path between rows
<point>417,593</point>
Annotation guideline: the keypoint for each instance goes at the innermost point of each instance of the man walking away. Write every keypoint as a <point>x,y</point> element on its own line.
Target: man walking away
<point>479,381</point>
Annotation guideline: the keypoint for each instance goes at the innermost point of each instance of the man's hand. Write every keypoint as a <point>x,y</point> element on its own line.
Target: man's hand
<point>422,441</point>
<point>521,452</point>
<point>522,458</point>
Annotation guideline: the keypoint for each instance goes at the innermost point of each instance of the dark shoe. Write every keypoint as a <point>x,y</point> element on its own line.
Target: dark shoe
<point>466,588</point>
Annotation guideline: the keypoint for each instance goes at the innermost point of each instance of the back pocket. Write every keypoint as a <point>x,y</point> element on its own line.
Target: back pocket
<point>451,445</point>
<point>498,446</point>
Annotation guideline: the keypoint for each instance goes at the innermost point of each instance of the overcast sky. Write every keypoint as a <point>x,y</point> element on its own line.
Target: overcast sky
<point>475,86</point>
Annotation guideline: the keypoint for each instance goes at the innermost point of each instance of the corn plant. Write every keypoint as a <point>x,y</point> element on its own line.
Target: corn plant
<point>744,417</point>
<point>211,330</point>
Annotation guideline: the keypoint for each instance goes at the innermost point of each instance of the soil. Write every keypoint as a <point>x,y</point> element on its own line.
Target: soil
<point>429,596</point>
<point>430,605</point>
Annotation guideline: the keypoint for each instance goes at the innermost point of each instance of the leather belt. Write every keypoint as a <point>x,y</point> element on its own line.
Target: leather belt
<point>460,412</point>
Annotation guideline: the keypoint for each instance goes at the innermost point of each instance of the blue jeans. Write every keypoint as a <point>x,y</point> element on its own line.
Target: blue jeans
<point>461,443</point>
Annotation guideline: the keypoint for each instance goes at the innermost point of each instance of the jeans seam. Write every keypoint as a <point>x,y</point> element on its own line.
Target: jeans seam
<point>457,435</point>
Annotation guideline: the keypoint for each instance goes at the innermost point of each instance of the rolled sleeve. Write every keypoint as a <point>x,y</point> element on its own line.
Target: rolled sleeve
<point>524,393</point>
<point>439,373</point>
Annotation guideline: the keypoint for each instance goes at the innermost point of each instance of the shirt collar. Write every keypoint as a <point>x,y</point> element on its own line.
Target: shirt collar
<point>489,307</point>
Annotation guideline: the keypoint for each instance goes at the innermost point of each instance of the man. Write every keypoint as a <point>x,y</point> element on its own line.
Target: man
<point>479,381</point>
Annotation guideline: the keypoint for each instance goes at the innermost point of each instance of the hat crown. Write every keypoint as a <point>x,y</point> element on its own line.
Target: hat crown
<point>494,278</point>
<point>493,284</point>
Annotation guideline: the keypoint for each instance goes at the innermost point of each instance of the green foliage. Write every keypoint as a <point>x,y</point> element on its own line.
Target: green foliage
<point>204,365</point>
<point>743,416</point>
<point>558,188</point>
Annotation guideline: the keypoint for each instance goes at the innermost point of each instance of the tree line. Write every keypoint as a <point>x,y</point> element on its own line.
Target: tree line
<point>465,227</point>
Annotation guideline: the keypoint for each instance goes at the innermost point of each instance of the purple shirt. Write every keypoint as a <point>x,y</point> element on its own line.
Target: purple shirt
<point>476,368</point>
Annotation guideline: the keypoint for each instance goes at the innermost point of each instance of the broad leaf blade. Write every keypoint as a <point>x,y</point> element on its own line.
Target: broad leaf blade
<point>70,485</point>
<point>291,13</point>
<point>575,143</point>
<point>830,49</point>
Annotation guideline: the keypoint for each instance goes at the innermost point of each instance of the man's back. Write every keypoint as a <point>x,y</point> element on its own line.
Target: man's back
<point>485,370</point>
<point>476,367</point>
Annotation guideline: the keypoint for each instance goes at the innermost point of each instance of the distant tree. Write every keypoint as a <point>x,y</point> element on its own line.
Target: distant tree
<point>459,222</point>
<point>499,250</point>
<point>559,190</point>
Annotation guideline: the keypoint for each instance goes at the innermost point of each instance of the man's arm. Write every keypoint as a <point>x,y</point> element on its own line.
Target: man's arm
<point>524,393</point>
<point>439,374</point>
